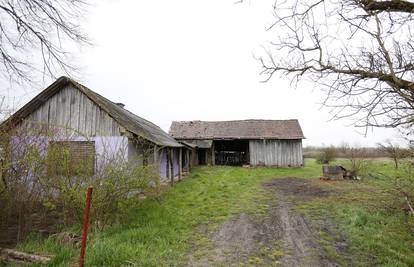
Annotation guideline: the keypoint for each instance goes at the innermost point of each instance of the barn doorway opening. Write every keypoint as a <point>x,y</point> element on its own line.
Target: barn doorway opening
<point>202,159</point>
<point>231,152</point>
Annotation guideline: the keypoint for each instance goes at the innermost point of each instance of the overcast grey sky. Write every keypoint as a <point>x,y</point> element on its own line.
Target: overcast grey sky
<point>194,60</point>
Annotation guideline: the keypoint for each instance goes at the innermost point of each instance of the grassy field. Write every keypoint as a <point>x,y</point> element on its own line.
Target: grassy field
<point>161,232</point>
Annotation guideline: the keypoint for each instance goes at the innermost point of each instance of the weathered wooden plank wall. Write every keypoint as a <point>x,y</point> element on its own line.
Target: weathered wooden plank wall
<point>76,116</point>
<point>282,153</point>
<point>73,111</point>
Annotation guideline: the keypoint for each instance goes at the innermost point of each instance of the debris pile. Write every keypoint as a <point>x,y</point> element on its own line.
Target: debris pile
<point>14,256</point>
<point>337,172</point>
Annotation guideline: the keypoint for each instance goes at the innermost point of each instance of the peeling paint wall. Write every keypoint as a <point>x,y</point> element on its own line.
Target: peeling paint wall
<point>108,148</point>
<point>163,164</point>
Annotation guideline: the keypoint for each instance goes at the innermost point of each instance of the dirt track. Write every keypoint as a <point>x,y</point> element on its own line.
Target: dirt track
<point>281,238</point>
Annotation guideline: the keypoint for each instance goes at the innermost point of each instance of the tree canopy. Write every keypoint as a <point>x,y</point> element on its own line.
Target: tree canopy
<point>360,52</point>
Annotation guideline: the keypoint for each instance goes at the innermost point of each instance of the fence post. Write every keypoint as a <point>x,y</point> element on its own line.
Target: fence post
<point>85,226</point>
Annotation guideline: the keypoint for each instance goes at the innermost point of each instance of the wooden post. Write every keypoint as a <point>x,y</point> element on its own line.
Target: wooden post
<point>213,155</point>
<point>187,153</point>
<point>180,163</point>
<point>155,154</point>
<point>172,165</point>
<point>155,165</point>
<point>167,162</point>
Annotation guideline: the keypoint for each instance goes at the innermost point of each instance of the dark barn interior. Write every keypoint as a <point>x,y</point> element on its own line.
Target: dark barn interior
<point>202,159</point>
<point>231,152</point>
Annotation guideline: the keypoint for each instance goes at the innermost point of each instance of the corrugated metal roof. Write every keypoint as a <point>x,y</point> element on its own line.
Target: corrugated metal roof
<point>125,118</point>
<point>239,129</point>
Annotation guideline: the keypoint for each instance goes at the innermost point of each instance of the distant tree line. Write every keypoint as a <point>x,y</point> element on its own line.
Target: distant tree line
<point>386,149</point>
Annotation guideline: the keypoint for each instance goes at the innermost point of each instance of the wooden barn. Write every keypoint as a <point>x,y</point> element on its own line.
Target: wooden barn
<point>243,142</point>
<point>72,115</point>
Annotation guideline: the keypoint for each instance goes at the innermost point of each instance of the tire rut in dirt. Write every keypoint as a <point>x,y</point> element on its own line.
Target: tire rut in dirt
<point>283,237</point>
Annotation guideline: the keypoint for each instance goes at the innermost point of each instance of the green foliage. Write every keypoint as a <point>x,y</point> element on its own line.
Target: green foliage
<point>114,187</point>
<point>46,179</point>
<point>162,232</point>
<point>159,232</point>
<point>326,155</point>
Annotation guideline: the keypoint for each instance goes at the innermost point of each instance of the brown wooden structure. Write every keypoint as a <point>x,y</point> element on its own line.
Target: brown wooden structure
<point>255,142</point>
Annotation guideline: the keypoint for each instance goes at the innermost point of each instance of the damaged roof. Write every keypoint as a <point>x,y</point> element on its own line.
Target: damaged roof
<point>131,122</point>
<point>198,143</point>
<point>238,129</point>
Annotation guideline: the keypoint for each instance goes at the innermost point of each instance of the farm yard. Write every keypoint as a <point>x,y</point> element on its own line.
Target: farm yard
<point>174,136</point>
<point>233,216</point>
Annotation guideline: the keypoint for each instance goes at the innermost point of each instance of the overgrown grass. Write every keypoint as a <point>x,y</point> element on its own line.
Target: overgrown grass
<point>162,232</point>
<point>369,215</point>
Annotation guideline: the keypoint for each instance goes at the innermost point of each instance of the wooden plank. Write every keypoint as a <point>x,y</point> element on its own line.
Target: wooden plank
<point>170,150</point>
<point>103,128</point>
<point>80,116</point>
<point>187,153</point>
<point>155,154</point>
<point>97,121</point>
<point>82,113</point>
<point>252,153</point>
<point>280,153</point>
<point>44,115</point>
<point>66,119</point>
<point>89,122</point>
<point>301,153</point>
<point>74,109</point>
<point>93,119</point>
<point>52,112</point>
<point>167,163</point>
<point>108,124</point>
<point>87,117</point>
<point>60,107</point>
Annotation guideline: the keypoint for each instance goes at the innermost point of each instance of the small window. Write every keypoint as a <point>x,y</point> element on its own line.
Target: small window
<point>71,158</point>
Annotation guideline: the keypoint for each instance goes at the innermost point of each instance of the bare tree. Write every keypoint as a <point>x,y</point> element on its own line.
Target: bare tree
<point>36,35</point>
<point>361,52</point>
<point>392,150</point>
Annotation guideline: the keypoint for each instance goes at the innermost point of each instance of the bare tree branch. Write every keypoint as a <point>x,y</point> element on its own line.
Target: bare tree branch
<point>360,52</point>
<point>35,36</point>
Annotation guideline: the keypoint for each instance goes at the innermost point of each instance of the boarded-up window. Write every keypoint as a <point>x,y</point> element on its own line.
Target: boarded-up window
<point>70,158</point>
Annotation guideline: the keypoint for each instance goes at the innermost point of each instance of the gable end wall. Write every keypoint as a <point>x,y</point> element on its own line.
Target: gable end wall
<point>72,111</point>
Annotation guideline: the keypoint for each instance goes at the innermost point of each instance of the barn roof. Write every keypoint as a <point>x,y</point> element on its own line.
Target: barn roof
<point>131,122</point>
<point>239,129</point>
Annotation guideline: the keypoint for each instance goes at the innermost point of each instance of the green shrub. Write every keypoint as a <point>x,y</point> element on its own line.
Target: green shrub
<point>45,182</point>
<point>327,155</point>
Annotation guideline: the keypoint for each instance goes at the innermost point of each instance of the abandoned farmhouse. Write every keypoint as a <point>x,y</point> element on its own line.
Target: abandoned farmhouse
<point>253,142</point>
<point>89,125</point>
